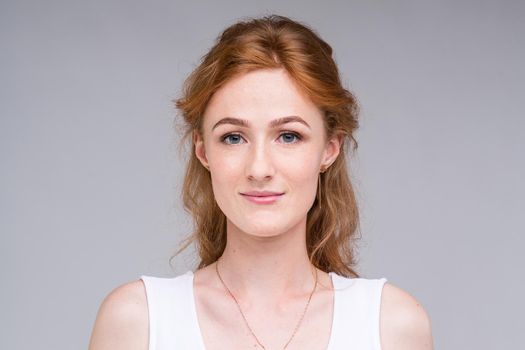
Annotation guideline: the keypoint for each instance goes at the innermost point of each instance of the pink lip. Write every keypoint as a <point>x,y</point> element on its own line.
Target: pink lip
<point>262,197</point>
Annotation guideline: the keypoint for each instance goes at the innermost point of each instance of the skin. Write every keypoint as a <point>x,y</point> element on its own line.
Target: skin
<point>265,263</point>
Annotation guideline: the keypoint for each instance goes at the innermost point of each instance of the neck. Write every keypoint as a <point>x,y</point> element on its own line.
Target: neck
<point>264,268</point>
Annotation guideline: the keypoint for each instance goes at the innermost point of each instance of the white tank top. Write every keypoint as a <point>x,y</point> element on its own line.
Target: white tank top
<point>173,322</point>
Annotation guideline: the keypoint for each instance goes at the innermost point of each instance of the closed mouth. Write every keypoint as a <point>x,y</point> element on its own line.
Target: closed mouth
<point>262,194</point>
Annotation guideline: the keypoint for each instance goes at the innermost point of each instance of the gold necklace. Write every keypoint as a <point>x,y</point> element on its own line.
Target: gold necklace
<point>244,317</point>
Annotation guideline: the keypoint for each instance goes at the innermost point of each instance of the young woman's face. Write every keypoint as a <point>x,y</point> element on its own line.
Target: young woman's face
<point>264,143</point>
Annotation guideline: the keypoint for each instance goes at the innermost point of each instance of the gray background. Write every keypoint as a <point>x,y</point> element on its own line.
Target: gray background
<point>90,173</point>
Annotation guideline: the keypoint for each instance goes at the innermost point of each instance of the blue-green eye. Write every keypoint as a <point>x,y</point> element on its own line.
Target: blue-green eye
<point>290,137</point>
<point>232,139</point>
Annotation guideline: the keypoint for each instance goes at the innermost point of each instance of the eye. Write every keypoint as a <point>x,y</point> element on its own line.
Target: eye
<point>231,139</point>
<point>290,137</point>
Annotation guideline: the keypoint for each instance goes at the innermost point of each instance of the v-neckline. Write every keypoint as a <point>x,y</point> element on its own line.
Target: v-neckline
<point>197,326</point>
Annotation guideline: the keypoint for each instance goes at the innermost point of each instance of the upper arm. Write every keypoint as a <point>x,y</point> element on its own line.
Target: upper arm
<point>404,322</point>
<point>122,320</point>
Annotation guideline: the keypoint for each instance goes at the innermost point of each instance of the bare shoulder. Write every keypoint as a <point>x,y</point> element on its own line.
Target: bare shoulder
<point>405,324</point>
<point>122,319</point>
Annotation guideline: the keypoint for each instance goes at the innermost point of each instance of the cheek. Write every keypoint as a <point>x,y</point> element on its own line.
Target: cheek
<point>226,174</point>
<point>221,156</point>
<point>223,187</point>
<point>301,166</point>
<point>301,177</point>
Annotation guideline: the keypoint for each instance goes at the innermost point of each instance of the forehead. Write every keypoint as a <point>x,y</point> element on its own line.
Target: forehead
<point>259,96</point>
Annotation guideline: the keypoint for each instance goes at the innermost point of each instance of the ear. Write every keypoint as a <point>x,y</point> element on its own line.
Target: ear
<point>200,151</point>
<point>331,151</point>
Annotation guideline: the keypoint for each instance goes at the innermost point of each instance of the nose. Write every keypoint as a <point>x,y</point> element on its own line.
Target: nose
<point>259,163</point>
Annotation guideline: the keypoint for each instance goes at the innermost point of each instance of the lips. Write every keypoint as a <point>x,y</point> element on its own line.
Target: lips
<point>261,193</point>
<point>262,197</point>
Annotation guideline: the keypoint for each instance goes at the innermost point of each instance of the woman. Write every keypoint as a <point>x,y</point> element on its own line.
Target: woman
<point>274,212</point>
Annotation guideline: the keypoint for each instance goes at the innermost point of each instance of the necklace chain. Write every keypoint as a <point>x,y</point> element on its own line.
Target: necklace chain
<point>246,321</point>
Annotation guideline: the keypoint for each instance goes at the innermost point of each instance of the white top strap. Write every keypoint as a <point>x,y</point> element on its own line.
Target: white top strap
<point>357,304</point>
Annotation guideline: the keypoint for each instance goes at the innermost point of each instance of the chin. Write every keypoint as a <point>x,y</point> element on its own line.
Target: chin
<point>264,230</point>
<point>262,235</point>
<point>262,227</point>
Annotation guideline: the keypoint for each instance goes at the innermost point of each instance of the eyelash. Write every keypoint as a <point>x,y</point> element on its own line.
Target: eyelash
<point>225,137</point>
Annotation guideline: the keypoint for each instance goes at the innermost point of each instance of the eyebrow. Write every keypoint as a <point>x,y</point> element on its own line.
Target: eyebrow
<point>273,124</point>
